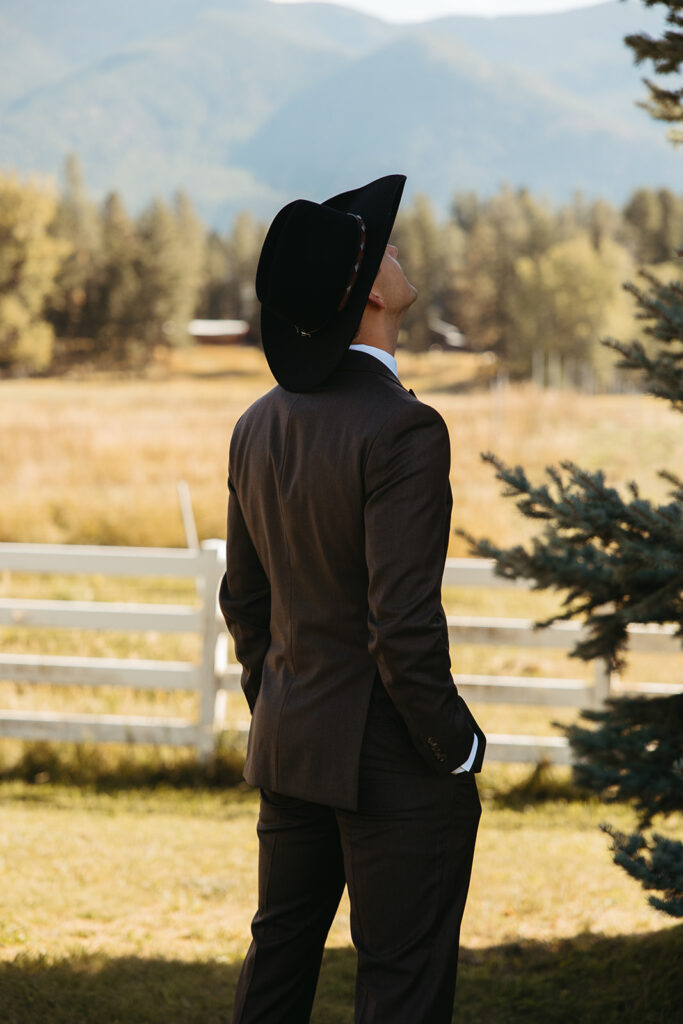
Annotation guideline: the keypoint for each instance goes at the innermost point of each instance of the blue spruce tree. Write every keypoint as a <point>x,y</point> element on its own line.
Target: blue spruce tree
<point>620,561</point>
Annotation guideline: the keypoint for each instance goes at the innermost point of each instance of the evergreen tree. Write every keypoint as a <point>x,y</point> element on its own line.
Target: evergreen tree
<point>605,224</point>
<point>192,237</point>
<point>215,296</point>
<point>620,561</point>
<point>243,247</point>
<point>170,259</point>
<point>666,54</point>
<point>73,304</point>
<point>672,222</point>
<point>120,316</point>
<point>499,231</point>
<point>643,215</point>
<point>654,221</point>
<point>431,254</point>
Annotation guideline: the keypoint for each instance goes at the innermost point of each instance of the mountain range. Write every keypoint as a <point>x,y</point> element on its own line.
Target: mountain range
<point>245,104</point>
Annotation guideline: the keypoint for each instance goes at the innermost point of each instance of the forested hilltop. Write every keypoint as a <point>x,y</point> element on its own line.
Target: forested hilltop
<point>89,284</point>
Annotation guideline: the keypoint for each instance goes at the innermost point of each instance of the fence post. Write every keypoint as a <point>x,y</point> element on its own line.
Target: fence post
<point>209,681</point>
<point>602,681</point>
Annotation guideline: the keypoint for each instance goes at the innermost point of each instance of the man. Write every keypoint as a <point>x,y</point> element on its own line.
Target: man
<point>338,520</point>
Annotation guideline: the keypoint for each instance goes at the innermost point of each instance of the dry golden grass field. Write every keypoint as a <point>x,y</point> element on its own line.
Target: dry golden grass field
<point>133,905</point>
<point>96,460</point>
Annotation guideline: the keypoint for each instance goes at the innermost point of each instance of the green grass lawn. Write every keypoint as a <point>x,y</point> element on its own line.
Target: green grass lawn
<point>133,905</point>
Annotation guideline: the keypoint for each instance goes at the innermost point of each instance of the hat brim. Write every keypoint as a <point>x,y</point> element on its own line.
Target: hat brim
<point>301,363</point>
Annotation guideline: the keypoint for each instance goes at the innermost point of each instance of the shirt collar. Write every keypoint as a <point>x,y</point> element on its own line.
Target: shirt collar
<point>378,353</point>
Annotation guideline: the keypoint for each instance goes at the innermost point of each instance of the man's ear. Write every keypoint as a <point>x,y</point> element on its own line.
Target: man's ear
<point>376,299</point>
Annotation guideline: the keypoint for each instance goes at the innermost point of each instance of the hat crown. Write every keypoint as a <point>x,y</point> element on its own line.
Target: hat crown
<point>308,260</point>
<point>316,271</point>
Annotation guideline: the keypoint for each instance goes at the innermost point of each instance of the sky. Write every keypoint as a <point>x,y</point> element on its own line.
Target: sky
<point>421,10</point>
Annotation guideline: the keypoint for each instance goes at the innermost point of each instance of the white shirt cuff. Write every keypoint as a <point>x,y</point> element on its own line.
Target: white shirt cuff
<point>466,765</point>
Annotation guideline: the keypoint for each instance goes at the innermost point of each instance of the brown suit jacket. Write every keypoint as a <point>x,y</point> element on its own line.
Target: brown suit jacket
<point>338,520</point>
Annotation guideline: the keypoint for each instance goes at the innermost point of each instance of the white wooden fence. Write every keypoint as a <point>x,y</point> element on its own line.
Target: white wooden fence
<point>202,565</point>
<point>214,675</point>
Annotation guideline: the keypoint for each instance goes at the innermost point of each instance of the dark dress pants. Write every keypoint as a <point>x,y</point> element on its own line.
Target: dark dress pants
<point>406,855</point>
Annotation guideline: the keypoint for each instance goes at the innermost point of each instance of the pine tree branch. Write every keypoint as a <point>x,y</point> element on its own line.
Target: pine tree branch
<point>661,309</point>
<point>666,55</point>
<point>617,562</point>
<point>663,104</point>
<point>632,754</point>
<point>657,865</point>
<point>677,481</point>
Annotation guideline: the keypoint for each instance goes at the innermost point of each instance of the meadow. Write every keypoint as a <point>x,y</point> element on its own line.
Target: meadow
<point>134,906</point>
<point>96,459</point>
<point>129,878</point>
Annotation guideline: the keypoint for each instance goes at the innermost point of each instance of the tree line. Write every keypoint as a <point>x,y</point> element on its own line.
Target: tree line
<point>82,282</point>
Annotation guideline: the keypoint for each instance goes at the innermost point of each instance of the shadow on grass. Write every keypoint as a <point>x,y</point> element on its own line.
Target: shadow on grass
<point>125,990</point>
<point>585,980</point>
<point>119,768</point>
<point>543,784</point>
<point>588,979</point>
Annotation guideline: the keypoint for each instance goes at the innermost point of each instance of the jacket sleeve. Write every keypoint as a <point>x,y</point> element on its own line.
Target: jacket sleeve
<point>407,520</point>
<point>244,599</point>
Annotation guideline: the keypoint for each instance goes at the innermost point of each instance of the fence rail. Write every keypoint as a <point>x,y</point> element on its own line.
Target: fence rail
<point>202,565</point>
<point>214,675</point>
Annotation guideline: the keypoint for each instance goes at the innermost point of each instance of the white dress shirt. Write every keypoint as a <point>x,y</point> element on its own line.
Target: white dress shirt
<point>390,362</point>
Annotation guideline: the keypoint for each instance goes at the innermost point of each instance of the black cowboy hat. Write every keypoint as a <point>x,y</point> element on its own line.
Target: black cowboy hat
<point>316,270</point>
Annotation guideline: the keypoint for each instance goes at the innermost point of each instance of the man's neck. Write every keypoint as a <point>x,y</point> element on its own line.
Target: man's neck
<point>378,332</point>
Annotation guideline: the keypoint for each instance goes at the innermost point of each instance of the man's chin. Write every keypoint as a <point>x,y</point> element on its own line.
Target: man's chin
<point>409,300</point>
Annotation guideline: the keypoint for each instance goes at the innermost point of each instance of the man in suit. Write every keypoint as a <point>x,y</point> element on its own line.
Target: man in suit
<point>338,521</point>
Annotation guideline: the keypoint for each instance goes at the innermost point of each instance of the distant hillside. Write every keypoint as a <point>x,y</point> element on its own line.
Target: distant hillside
<point>580,51</point>
<point>449,119</point>
<point>244,103</point>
